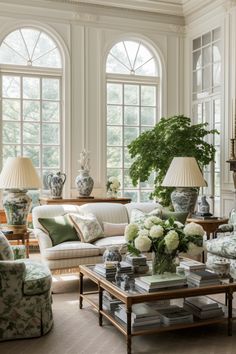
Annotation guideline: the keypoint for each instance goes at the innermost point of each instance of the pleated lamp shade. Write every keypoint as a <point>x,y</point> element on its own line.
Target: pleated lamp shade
<point>184,172</point>
<point>19,173</point>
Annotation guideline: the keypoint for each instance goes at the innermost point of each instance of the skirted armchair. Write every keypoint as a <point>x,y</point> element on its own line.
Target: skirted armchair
<point>25,294</point>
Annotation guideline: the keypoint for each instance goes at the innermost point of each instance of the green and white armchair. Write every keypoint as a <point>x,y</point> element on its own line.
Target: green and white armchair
<point>25,294</point>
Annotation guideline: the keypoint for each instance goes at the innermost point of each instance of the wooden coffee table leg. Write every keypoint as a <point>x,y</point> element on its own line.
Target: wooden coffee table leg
<point>230,306</point>
<point>81,289</point>
<point>128,335</point>
<point>100,292</point>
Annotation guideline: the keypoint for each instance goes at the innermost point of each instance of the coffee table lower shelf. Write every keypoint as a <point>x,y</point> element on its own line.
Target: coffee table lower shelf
<point>130,299</point>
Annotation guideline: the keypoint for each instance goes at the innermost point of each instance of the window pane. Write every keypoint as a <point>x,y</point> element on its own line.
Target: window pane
<point>114,172</point>
<point>31,110</point>
<point>216,52</point>
<point>31,133</point>
<point>130,134</point>
<point>114,157</point>
<point>143,57</point>
<point>197,60</point>
<point>10,151</point>
<point>132,48</point>
<point>51,156</point>
<point>131,115</point>
<point>206,73</point>
<point>197,43</point>
<point>114,93</point>
<point>30,37</point>
<point>50,60</point>
<point>216,74</point>
<point>131,94</point>
<point>113,65</point>
<point>127,158</point>
<point>127,180</point>
<point>10,109</point>
<point>9,56</point>
<point>148,95</point>
<point>206,38</point>
<point>31,87</point>
<point>119,51</point>
<point>217,111</point>
<point>114,115</point>
<point>50,134</point>
<point>11,132</point>
<point>149,183</point>
<point>50,89</point>
<point>131,194</point>
<point>11,86</point>
<point>148,116</point>
<point>114,136</point>
<point>197,81</point>
<point>33,152</point>
<point>50,111</point>
<point>148,69</point>
<point>145,196</point>
<point>206,55</point>
<point>216,34</point>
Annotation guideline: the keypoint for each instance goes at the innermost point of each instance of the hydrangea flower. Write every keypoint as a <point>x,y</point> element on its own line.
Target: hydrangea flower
<point>172,241</point>
<point>131,231</point>
<point>156,231</point>
<point>152,220</point>
<point>143,243</point>
<point>193,229</point>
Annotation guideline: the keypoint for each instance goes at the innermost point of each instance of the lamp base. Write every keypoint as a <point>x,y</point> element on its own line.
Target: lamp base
<point>16,205</point>
<point>184,199</point>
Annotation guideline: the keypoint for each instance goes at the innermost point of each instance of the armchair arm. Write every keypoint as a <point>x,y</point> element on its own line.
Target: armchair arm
<point>12,276</point>
<point>43,239</point>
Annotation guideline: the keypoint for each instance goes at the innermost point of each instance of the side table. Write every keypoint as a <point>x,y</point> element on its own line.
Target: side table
<point>22,236</point>
<point>209,225</point>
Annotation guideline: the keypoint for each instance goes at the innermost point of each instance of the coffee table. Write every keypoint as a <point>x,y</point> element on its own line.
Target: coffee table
<point>131,298</point>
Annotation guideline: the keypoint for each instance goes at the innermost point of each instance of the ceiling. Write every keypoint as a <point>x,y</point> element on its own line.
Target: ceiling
<point>168,7</point>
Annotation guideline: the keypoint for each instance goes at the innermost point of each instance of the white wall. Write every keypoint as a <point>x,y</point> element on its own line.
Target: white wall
<point>85,35</point>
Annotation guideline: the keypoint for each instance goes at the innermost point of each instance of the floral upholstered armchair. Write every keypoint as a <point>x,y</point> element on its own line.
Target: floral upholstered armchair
<point>25,294</point>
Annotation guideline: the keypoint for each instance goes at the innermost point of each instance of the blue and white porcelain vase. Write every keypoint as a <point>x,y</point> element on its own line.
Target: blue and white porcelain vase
<point>16,205</point>
<point>56,182</point>
<point>84,183</point>
<point>112,254</point>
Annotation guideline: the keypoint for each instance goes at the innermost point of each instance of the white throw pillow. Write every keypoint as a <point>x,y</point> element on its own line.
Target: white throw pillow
<point>138,217</point>
<point>111,229</point>
<point>87,226</point>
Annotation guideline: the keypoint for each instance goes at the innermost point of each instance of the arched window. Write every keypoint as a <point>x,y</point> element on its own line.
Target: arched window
<point>31,70</point>
<point>132,105</point>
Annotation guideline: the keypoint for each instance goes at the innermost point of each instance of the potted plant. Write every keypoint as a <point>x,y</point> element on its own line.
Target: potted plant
<point>171,137</point>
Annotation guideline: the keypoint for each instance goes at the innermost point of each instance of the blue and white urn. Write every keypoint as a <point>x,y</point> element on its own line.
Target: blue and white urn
<point>56,182</point>
<point>84,183</point>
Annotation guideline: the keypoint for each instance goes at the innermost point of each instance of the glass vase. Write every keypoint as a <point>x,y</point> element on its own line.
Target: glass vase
<point>112,194</point>
<point>162,263</point>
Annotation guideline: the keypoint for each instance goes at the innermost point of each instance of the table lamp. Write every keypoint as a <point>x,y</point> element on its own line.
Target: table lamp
<point>17,177</point>
<point>184,174</point>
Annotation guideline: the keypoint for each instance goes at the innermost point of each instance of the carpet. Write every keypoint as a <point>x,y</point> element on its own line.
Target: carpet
<point>77,331</point>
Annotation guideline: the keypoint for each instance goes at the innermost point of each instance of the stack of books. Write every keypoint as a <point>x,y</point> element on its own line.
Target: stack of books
<point>109,269</point>
<point>158,282</point>
<point>191,265</point>
<point>142,317</point>
<point>203,307</point>
<point>106,270</point>
<point>110,302</point>
<point>139,263</point>
<point>175,314</point>
<point>202,278</point>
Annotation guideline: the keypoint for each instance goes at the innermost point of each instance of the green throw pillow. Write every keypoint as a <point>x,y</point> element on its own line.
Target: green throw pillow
<point>60,229</point>
<point>178,216</point>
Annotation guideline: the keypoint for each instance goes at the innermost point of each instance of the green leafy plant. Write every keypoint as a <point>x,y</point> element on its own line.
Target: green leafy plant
<point>171,137</point>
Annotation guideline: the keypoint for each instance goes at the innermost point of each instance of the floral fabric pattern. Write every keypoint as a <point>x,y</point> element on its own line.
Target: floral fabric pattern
<point>224,246</point>
<point>212,258</point>
<point>87,226</point>
<point>6,252</point>
<point>19,251</point>
<point>22,313</point>
<point>138,217</point>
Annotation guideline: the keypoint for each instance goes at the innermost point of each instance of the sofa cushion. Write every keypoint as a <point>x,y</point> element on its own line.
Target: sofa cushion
<point>106,242</point>
<point>111,229</point>
<point>60,229</point>
<point>6,252</point>
<point>138,217</point>
<point>68,250</point>
<point>145,207</point>
<point>224,246</point>
<point>37,279</point>
<point>87,226</point>
<point>178,216</point>
<point>106,212</point>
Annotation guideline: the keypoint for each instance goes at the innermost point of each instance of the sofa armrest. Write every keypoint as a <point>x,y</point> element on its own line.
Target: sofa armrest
<point>12,276</point>
<point>43,239</point>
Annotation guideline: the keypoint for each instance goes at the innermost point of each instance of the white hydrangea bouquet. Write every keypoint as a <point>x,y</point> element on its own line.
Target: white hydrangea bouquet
<point>166,239</point>
<point>113,186</point>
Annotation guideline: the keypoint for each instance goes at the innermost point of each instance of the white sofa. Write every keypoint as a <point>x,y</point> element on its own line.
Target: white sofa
<point>67,256</point>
